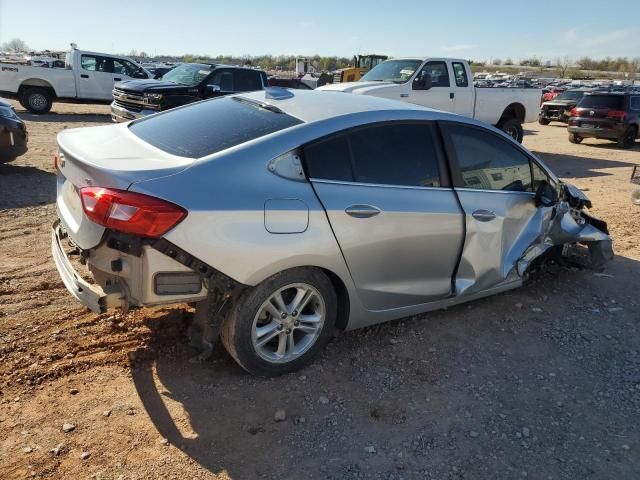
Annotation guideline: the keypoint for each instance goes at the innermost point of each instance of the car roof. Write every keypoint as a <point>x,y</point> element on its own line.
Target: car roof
<point>313,106</point>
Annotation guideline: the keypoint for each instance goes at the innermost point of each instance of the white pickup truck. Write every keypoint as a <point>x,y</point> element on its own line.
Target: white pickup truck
<point>88,77</point>
<point>447,84</point>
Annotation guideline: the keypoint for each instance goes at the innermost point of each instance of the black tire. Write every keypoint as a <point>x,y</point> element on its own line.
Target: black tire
<point>628,139</point>
<point>543,121</point>
<point>573,138</point>
<point>513,128</point>
<point>236,329</point>
<point>36,100</point>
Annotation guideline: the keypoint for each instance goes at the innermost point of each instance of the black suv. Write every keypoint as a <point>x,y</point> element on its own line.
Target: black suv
<point>611,116</point>
<point>186,83</point>
<point>558,109</point>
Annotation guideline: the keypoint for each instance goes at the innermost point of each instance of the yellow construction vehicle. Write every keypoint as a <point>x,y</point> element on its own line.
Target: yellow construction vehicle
<point>361,65</point>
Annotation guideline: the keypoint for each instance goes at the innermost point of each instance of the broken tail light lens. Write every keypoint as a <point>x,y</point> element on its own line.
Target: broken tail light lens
<point>130,212</point>
<point>617,115</point>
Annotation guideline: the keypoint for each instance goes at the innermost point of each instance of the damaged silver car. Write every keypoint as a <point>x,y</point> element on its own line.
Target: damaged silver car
<point>288,215</point>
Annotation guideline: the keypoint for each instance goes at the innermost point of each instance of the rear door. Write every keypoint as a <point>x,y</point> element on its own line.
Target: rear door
<point>462,90</point>
<point>495,182</point>
<point>395,218</point>
<point>95,77</point>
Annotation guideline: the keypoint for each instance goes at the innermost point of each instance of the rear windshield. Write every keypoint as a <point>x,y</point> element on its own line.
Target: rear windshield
<point>211,126</point>
<point>602,101</point>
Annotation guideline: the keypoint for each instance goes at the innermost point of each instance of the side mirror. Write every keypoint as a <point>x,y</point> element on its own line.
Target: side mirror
<point>423,81</point>
<point>213,90</point>
<point>140,73</point>
<point>546,195</point>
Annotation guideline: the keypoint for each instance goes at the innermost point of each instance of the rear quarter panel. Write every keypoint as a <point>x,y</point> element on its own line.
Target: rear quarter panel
<point>12,76</point>
<point>492,102</point>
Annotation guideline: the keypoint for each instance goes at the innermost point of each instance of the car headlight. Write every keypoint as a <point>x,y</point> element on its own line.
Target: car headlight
<point>153,97</point>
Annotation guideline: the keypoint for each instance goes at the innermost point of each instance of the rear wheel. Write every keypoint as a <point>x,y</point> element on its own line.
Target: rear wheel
<point>543,121</point>
<point>36,100</point>
<point>628,139</point>
<point>281,324</point>
<point>513,128</point>
<point>573,138</point>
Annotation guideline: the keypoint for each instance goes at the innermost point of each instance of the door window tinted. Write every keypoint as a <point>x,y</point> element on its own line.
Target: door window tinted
<point>401,154</point>
<point>635,103</point>
<point>123,67</point>
<point>389,154</point>
<point>246,81</point>
<point>486,161</point>
<point>329,159</point>
<point>602,101</point>
<point>439,73</point>
<point>223,79</point>
<point>460,74</point>
<point>538,176</point>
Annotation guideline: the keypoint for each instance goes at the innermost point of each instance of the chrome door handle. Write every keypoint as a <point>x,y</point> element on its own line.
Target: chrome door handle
<point>362,211</point>
<point>483,215</point>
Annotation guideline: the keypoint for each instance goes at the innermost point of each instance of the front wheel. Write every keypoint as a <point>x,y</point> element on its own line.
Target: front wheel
<point>513,128</point>
<point>573,138</point>
<point>281,324</point>
<point>543,121</point>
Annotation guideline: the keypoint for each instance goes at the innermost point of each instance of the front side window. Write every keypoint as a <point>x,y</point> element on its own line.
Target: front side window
<point>488,162</point>
<point>124,67</point>
<point>438,72</point>
<point>400,154</point>
<point>188,74</point>
<point>460,74</point>
<point>246,81</point>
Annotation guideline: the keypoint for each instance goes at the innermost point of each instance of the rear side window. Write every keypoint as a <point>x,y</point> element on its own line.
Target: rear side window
<point>208,127</point>
<point>614,102</point>
<point>247,80</point>
<point>223,79</point>
<point>486,161</point>
<point>460,74</point>
<point>389,154</point>
<point>635,103</point>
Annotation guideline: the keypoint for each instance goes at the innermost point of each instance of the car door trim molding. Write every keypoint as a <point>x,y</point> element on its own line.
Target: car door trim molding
<point>376,185</point>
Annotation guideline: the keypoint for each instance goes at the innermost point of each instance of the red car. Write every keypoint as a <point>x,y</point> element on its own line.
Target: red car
<point>552,93</point>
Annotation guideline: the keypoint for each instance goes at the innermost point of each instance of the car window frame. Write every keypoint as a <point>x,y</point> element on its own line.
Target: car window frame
<point>455,172</point>
<point>431,125</point>
<point>446,67</point>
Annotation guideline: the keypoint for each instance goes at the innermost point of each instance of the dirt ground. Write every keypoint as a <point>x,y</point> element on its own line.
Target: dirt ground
<point>542,382</point>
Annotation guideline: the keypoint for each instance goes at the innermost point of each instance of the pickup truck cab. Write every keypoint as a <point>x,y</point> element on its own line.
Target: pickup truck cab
<point>186,83</point>
<point>446,84</point>
<point>87,77</point>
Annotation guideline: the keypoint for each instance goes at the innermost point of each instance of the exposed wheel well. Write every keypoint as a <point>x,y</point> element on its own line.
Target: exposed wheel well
<point>515,110</point>
<point>343,299</point>
<point>37,83</point>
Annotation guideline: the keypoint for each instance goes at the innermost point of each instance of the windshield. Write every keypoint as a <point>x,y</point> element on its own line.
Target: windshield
<point>188,74</point>
<point>570,95</point>
<point>397,71</point>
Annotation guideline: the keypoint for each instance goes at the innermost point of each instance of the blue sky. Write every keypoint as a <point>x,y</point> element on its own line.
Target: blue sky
<point>469,29</point>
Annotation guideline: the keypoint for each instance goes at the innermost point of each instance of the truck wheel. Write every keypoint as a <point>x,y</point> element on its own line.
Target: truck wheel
<point>281,324</point>
<point>543,121</point>
<point>513,128</point>
<point>628,139</point>
<point>37,100</point>
<point>573,138</point>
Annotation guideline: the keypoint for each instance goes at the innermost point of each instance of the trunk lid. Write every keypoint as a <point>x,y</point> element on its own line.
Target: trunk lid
<point>109,156</point>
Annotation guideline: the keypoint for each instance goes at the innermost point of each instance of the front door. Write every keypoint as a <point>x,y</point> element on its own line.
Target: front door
<point>441,94</point>
<point>400,230</point>
<point>495,183</point>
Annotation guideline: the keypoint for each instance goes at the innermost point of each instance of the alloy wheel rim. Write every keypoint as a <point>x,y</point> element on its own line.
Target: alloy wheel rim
<point>288,323</point>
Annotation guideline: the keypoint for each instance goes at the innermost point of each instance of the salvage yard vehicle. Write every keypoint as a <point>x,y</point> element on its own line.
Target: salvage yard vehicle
<point>445,84</point>
<point>13,133</point>
<point>186,83</point>
<point>88,77</point>
<point>559,109</point>
<point>609,116</point>
<point>290,214</point>
<point>360,66</point>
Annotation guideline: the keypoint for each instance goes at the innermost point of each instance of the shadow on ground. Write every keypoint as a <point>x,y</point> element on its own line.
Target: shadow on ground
<point>25,186</point>
<point>580,167</point>
<point>535,380</point>
<point>66,117</point>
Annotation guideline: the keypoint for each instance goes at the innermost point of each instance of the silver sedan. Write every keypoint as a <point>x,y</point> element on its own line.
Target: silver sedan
<point>287,215</point>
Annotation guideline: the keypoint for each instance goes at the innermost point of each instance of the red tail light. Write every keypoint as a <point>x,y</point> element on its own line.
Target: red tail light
<point>130,212</point>
<point>617,115</point>
<point>573,112</point>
